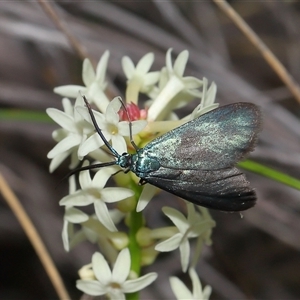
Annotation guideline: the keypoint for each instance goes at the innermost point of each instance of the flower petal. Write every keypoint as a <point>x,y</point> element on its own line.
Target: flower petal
<point>65,234</point>
<point>177,218</point>
<point>101,269</point>
<point>118,142</point>
<point>114,194</point>
<point>79,198</point>
<point>128,67</point>
<point>206,292</point>
<point>192,216</point>
<point>197,288</point>
<point>90,235</point>
<point>184,248</point>
<point>137,126</point>
<point>102,176</point>
<point>180,63</point>
<point>145,63</point>
<point>75,215</point>
<point>92,143</point>
<point>123,128</point>
<point>90,287</point>
<point>66,144</point>
<point>98,97</point>
<point>57,160</point>
<point>85,177</point>
<point>102,67</point>
<point>103,215</point>
<point>151,78</point>
<point>116,295</point>
<point>111,114</point>
<point>61,118</point>
<point>70,91</point>
<point>147,194</point>
<point>68,106</point>
<point>201,227</point>
<point>169,61</point>
<point>180,290</point>
<point>121,267</point>
<point>88,73</point>
<point>83,111</point>
<point>131,286</point>
<point>191,82</point>
<point>74,159</point>
<point>170,244</point>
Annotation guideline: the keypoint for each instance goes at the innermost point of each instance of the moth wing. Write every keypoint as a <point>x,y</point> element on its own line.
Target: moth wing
<point>224,189</point>
<point>215,140</point>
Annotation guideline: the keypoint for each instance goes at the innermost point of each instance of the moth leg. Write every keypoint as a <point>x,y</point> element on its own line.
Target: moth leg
<point>142,181</point>
<point>127,170</point>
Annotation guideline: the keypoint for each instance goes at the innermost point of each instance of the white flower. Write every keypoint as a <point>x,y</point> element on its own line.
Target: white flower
<point>191,227</point>
<point>95,83</point>
<point>174,89</point>
<point>111,127</point>
<point>70,137</point>
<point>91,229</point>
<point>204,238</point>
<point>147,194</point>
<point>114,283</point>
<point>93,191</point>
<point>72,216</point>
<point>207,102</point>
<point>182,292</point>
<point>139,79</point>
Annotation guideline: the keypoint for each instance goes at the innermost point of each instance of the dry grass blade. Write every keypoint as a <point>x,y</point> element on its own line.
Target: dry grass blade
<point>78,47</point>
<point>262,47</point>
<point>34,238</point>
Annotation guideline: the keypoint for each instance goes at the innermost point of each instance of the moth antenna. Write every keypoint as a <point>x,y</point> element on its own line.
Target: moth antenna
<point>99,131</point>
<point>90,167</point>
<point>130,125</point>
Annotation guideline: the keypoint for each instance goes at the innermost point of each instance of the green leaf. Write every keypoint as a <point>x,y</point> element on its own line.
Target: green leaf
<point>270,173</point>
<point>9,114</point>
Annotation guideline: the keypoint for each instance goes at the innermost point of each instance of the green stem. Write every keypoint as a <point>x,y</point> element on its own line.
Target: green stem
<point>135,223</point>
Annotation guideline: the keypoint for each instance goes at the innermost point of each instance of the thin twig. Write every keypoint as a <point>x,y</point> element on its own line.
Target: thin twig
<point>34,238</point>
<point>60,25</point>
<point>262,47</point>
<point>75,43</point>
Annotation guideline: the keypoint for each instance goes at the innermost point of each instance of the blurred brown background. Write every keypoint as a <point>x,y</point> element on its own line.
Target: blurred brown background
<point>256,257</point>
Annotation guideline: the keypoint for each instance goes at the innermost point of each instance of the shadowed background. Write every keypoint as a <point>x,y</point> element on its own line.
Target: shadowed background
<point>256,257</point>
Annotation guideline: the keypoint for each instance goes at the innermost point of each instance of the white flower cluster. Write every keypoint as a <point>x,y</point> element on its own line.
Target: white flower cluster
<point>167,90</point>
